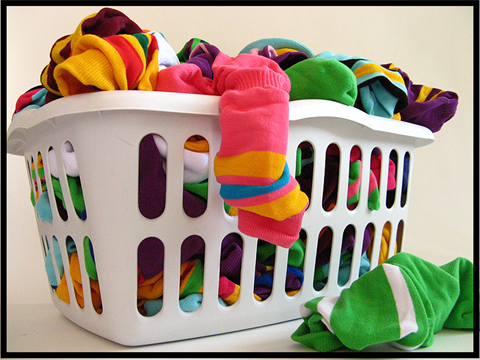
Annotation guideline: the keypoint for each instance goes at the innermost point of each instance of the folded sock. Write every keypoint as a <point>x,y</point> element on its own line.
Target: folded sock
<point>43,208</point>
<point>287,45</point>
<point>412,300</point>
<point>325,79</point>
<point>254,174</point>
<point>31,99</point>
<point>107,22</point>
<point>381,92</point>
<point>427,106</point>
<point>120,62</point>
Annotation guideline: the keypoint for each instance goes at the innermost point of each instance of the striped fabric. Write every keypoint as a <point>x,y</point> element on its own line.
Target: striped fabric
<point>106,23</point>
<point>381,91</point>
<point>121,62</point>
<point>253,174</point>
<point>427,106</point>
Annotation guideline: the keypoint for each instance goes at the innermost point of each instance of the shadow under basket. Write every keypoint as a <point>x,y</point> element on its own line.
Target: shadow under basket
<point>106,130</point>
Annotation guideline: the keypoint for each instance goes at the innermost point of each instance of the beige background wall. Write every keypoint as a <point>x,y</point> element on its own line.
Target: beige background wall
<point>434,45</point>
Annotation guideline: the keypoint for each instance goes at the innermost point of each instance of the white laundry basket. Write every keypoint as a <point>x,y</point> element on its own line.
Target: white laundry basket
<point>106,128</point>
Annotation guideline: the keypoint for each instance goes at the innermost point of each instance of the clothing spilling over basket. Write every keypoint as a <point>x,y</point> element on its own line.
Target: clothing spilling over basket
<point>109,51</point>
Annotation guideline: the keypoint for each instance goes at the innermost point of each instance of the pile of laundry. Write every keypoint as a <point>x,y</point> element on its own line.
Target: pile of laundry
<point>109,51</point>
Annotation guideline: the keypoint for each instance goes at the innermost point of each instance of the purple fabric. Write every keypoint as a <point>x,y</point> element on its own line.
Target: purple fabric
<point>203,55</point>
<point>152,184</point>
<point>289,59</point>
<point>324,246</point>
<point>151,179</point>
<point>430,113</point>
<point>284,60</point>
<point>231,257</point>
<point>151,254</point>
<point>108,22</point>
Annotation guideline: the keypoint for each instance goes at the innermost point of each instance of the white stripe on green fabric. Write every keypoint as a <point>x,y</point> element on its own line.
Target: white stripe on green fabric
<point>325,308</point>
<point>403,300</point>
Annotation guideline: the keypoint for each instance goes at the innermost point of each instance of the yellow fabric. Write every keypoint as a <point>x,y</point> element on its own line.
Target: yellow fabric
<point>284,50</point>
<point>292,203</point>
<point>373,68</point>
<point>397,116</point>
<point>233,211</point>
<point>196,144</point>
<point>247,164</point>
<point>96,65</point>
<point>58,47</point>
<point>62,289</point>
<point>153,288</point>
<point>232,299</point>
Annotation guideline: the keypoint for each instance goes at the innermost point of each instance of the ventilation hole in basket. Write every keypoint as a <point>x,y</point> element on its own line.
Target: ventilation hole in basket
<point>30,169</point>
<point>296,257</point>
<point>346,256</point>
<point>150,263</point>
<point>323,252</point>
<point>230,269</point>
<point>57,187</point>
<point>392,178</point>
<point>191,273</point>
<point>374,182</point>
<point>195,175</point>
<point>405,178</point>
<point>368,236</point>
<point>304,167</point>
<point>73,179</point>
<point>38,176</point>
<point>53,263</point>
<point>332,168</point>
<point>45,246</point>
<point>263,282</point>
<point>399,242</point>
<point>354,178</point>
<point>152,176</point>
<point>91,268</point>
<point>385,245</point>
<point>370,233</point>
<point>75,276</point>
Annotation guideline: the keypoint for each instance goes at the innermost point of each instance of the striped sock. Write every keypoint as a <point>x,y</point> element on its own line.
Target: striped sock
<point>251,163</point>
<point>121,62</point>
<point>381,92</point>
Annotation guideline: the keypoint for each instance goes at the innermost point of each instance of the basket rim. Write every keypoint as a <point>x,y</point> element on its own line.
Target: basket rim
<point>208,105</point>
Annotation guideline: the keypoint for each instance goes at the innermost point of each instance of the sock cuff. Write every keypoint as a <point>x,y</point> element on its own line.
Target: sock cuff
<point>282,233</point>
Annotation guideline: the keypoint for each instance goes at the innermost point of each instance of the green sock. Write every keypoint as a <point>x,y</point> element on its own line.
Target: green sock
<point>461,316</point>
<point>325,79</point>
<point>404,301</point>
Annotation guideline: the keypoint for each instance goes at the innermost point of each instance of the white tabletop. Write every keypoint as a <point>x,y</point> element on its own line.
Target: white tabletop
<point>42,328</point>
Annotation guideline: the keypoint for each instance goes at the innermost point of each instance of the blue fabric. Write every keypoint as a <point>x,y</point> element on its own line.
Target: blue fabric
<point>43,208</point>
<point>278,43</point>
<point>52,279</point>
<point>343,271</point>
<point>235,192</point>
<point>189,304</point>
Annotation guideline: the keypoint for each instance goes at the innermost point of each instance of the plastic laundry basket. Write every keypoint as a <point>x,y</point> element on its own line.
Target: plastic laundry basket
<point>106,128</point>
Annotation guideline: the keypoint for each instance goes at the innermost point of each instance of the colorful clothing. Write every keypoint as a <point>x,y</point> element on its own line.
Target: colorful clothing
<point>381,92</point>
<point>121,62</point>
<point>254,176</point>
<point>427,106</point>
<point>107,22</point>
<point>404,302</point>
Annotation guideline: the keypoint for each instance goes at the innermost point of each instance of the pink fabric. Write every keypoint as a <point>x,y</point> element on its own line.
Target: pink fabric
<point>254,116</point>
